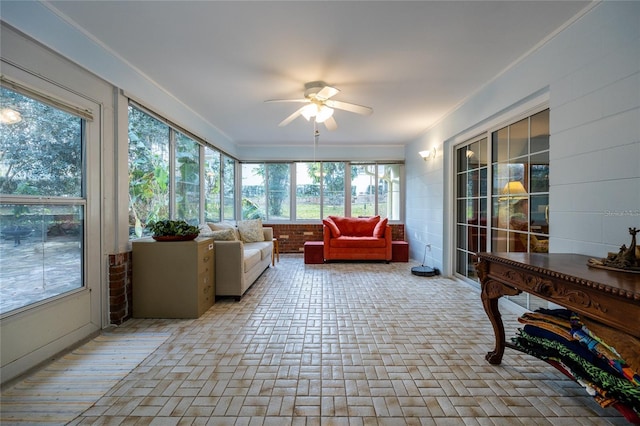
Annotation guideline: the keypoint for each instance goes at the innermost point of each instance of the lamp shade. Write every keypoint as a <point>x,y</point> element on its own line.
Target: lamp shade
<point>514,187</point>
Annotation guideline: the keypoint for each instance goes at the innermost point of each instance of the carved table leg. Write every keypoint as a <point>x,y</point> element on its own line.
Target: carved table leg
<point>492,291</point>
<point>491,308</point>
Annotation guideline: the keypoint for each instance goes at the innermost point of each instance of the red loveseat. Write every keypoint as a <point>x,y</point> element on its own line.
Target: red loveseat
<point>354,238</point>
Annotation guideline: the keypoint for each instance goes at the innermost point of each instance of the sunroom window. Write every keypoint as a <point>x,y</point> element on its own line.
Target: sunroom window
<point>42,201</point>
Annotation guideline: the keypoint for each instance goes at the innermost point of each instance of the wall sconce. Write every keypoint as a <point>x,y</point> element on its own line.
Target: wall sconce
<point>429,153</point>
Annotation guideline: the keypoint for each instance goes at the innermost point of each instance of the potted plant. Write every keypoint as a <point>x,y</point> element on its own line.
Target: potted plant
<point>173,230</point>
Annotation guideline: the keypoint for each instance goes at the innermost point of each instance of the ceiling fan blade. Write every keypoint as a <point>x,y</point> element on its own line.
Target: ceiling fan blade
<point>292,117</point>
<point>330,123</point>
<point>287,100</point>
<point>326,92</point>
<point>346,106</point>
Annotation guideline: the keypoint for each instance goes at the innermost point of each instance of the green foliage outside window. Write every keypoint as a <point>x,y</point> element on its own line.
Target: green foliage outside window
<point>212,185</point>
<point>148,171</point>
<point>41,154</point>
<point>187,179</point>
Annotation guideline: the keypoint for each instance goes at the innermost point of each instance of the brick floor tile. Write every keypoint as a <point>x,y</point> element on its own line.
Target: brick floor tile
<point>344,344</point>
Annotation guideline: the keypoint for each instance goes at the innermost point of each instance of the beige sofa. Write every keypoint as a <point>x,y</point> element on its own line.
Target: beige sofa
<point>239,263</point>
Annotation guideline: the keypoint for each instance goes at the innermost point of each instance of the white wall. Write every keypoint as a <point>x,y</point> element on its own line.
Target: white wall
<point>590,73</point>
<point>323,152</point>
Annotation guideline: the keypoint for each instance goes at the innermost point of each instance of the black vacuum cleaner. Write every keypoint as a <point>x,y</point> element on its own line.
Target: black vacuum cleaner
<point>424,271</point>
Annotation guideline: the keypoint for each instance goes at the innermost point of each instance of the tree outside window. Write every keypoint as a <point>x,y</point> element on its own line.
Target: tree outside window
<point>212,184</point>
<point>187,179</point>
<point>148,171</point>
<point>278,184</point>
<point>228,188</point>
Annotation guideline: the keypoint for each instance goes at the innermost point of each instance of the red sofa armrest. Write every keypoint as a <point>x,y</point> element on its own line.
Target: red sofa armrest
<point>388,240</point>
<point>326,236</point>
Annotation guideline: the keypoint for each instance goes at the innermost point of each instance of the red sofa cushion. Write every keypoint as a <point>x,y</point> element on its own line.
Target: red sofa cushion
<point>356,226</point>
<point>378,231</point>
<point>329,223</point>
<point>358,242</point>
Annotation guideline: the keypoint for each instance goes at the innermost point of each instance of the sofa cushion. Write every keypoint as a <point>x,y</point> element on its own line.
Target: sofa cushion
<point>381,226</point>
<point>205,230</point>
<point>223,235</point>
<point>358,242</point>
<point>251,258</point>
<point>221,226</point>
<point>264,247</point>
<point>333,228</point>
<point>356,226</point>
<point>251,230</point>
<point>217,226</point>
<point>266,251</point>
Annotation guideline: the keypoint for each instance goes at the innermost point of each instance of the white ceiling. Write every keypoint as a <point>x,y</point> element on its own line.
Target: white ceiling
<point>412,62</point>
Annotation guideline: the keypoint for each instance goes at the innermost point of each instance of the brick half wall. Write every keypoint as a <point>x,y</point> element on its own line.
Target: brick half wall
<point>120,287</point>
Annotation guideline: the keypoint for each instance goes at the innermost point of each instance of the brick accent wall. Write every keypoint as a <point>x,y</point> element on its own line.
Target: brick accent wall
<point>397,232</point>
<point>291,237</point>
<point>120,287</point>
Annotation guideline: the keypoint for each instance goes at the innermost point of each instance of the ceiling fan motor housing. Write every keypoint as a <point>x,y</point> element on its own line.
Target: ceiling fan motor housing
<point>313,87</point>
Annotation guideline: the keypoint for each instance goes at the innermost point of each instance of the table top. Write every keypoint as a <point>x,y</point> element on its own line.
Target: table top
<point>573,267</point>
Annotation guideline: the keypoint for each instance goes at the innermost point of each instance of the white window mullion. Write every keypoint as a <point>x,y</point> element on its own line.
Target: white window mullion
<point>201,161</point>
<point>293,191</point>
<point>172,174</point>
<point>347,189</point>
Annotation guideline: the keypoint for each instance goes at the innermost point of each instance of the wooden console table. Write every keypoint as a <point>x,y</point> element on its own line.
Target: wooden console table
<point>609,297</point>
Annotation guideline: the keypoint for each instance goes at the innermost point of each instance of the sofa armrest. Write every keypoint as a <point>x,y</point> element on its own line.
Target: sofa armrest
<point>387,234</point>
<point>268,233</point>
<point>326,236</point>
<point>229,266</point>
<point>388,242</point>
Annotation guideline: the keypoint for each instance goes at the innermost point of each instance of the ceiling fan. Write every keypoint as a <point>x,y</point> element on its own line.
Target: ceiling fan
<point>320,106</point>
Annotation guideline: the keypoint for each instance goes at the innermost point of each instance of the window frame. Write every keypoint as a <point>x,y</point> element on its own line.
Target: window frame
<point>89,113</point>
<point>347,188</point>
<point>527,111</point>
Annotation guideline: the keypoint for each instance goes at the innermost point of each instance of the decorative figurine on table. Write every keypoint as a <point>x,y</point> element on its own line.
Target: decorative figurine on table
<point>626,259</point>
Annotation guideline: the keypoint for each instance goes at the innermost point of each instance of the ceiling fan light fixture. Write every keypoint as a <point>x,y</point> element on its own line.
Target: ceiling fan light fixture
<point>323,114</point>
<point>309,111</point>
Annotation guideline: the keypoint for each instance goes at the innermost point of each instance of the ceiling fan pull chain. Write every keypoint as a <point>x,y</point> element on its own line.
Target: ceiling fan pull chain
<point>316,136</point>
